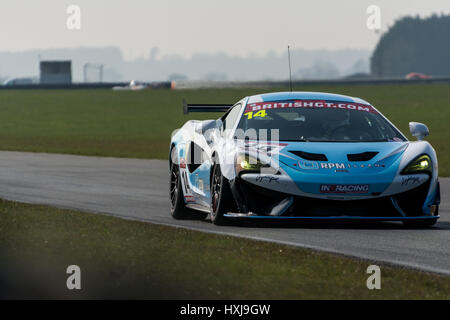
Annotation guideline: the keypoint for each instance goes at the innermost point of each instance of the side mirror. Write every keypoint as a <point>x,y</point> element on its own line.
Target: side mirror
<point>418,130</point>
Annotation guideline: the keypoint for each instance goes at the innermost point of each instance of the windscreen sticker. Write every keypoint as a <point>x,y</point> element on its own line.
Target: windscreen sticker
<point>261,113</point>
<point>309,104</point>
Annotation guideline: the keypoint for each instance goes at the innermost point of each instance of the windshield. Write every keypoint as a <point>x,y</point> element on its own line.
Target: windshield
<point>313,120</point>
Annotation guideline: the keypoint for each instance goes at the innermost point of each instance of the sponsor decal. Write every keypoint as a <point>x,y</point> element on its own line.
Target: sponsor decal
<point>321,104</point>
<point>182,163</point>
<point>338,166</point>
<point>410,180</point>
<point>343,165</point>
<point>189,198</point>
<point>267,179</point>
<point>344,188</point>
<point>331,165</point>
<point>308,165</point>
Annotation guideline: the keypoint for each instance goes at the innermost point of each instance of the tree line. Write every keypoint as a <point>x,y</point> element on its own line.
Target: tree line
<point>414,44</point>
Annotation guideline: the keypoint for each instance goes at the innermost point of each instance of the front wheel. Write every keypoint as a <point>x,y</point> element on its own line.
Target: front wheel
<point>221,197</point>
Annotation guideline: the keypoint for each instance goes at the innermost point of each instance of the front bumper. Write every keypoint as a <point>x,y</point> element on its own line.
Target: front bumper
<point>255,202</point>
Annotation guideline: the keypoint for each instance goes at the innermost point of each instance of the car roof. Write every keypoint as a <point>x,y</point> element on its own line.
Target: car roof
<point>300,95</point>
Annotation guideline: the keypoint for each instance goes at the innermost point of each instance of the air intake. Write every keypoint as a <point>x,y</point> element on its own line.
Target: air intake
<point>310,156</point>
<point>365,156</point>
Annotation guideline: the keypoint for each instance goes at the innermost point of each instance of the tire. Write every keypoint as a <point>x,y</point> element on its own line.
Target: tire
<point>420,223</point>
<point>221,198</point>
<point>178,209</point>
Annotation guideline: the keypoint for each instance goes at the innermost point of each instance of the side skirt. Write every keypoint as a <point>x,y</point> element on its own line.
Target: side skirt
<point>198,207</point>
<point>249,216</point>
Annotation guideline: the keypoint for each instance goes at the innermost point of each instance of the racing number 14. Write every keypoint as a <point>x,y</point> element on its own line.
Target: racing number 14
<point>260,113</point>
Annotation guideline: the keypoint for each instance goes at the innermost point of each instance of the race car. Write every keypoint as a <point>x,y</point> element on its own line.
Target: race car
<point>302,155</point>
<point>133,86</point>
<point>417,76</point>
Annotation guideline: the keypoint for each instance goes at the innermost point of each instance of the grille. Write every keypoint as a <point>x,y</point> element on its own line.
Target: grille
<point>381,207</point>
<point>365,156</point>
<point>310,156</point>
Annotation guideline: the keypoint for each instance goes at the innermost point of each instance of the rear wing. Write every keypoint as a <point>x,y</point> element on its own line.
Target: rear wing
<point>205,107</point>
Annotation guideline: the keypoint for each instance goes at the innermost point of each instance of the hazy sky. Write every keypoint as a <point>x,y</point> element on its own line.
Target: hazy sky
<point>184,27</point>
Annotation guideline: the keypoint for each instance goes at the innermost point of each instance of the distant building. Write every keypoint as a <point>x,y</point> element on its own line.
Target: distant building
<point>56,72</point>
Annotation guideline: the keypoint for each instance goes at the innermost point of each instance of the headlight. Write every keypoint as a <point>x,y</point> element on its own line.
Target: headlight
<point>420,164</point>
<point>251,164</point>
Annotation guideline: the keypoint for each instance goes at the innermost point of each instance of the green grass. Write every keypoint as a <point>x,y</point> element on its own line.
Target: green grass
<point>129,259</point>
<point>139,124</point>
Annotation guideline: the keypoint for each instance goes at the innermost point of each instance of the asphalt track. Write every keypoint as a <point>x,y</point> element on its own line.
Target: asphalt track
<point>138,189</point>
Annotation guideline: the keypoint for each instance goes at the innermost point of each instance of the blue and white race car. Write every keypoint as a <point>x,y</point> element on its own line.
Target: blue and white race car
<point>302,155</point>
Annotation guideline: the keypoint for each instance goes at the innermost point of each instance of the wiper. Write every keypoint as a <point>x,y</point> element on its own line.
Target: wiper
<point>379,140</point>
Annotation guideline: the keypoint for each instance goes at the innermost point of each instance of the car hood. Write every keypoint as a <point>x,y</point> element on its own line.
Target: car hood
<point>345,157</point>
<point>311,164</point>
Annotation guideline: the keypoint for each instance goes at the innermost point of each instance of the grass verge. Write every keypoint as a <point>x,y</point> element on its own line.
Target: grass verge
<point>139,124</point>
<point>129,259</point>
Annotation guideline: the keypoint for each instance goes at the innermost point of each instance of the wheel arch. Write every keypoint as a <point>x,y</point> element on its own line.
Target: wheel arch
<point>172,146</point>
<point>214,161</point>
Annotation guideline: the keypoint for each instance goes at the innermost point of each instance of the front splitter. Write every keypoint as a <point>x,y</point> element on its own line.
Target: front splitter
<point>249,216</point>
